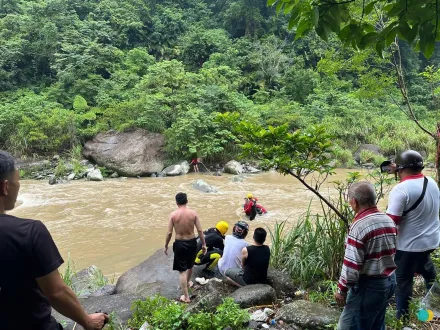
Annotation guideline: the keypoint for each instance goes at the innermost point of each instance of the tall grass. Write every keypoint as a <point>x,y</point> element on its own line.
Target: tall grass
<point>311,251</point>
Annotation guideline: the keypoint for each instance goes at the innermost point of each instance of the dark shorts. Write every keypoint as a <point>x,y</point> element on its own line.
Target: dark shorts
<point>185,252</point>
<point>236,274</point>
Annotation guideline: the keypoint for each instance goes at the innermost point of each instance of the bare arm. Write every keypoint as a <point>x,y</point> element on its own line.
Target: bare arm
<point>244,255</point>
<point>62,298</point>
<point>200,232</point>
<point>169,234</point>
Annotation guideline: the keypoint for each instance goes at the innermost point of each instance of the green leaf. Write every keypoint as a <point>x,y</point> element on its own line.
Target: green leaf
<point>271,2</point>
<point>380,46</point>
<point>303,26</point>
<point>368,40</point>
<point>279,6</point>
<point>391,36</point>
<point>369,8</point>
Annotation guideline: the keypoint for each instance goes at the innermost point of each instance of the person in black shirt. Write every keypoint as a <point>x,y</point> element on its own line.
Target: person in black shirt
<point>214,238</point>
<point>255,261</point>
<point>29,279</point>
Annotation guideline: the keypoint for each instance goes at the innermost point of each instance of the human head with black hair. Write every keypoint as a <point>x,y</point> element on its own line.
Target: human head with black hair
<point>181,199</point>
<point>260,235</point>
<point>9,182</point>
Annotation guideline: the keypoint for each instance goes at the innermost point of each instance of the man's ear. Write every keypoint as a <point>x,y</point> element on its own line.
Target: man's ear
<point>4,188</point>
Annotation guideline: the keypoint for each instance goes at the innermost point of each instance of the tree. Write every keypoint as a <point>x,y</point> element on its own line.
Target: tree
<point>415,21</point>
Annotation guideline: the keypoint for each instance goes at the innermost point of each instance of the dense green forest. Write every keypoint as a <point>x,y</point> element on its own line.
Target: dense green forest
<point>72,68</point>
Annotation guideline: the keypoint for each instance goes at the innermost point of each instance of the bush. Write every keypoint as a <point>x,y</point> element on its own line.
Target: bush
<point>344,157</point>
<point>162,313</point>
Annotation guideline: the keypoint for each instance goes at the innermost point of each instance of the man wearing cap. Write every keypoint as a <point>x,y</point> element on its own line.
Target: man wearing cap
<point>414,206</point>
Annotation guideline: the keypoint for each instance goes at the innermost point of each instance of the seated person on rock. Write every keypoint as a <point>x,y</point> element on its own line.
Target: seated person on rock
<point>30,284</point>
<point>255,262</point>
<point>233,245</point>
<point>214,238</point>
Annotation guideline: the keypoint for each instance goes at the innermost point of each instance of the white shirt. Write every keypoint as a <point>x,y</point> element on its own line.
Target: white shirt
<point>231,254</point>
<point>418,231</point>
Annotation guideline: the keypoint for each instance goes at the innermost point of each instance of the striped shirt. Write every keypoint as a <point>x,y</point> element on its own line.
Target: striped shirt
<point>370,248</point>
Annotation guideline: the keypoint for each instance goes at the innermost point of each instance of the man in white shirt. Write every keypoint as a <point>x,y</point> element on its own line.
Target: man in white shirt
<point>414,207</point>
<point>233,245</point>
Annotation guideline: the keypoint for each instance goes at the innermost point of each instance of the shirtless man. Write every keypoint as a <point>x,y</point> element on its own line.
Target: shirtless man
<point>183,220</point>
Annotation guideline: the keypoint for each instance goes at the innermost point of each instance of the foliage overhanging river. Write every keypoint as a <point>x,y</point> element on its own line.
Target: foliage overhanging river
<point>118,223</point>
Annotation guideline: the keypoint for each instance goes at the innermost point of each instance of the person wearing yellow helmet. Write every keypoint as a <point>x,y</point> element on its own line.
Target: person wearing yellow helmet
<point>214,238</point>
<point>251,208</point>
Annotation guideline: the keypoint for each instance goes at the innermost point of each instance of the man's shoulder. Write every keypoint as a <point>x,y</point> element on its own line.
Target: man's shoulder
<point>368,222</point>
<point>16,222</point>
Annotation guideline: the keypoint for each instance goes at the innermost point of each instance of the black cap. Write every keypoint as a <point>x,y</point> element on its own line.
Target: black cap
<point>409,159</point>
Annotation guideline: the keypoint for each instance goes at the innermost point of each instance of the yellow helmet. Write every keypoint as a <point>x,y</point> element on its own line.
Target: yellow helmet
<point>250,196</point>
<point>222,227</point>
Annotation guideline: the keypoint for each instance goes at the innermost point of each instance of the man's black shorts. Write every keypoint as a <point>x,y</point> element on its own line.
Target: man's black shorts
<point>185,252</point>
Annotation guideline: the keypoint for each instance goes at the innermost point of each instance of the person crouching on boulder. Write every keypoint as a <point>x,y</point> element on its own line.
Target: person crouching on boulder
<point>254,262</point>
<point>214,238</point>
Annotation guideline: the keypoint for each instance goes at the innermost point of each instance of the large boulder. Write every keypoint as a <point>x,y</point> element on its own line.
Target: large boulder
<point>118,304</point>
<point>254,295</point>
<point>152,276</point>
<point>233,167</point>
<point>173,170</point>
<point>185,167</point>
<point>204,187</point>
<point>281,282</point>
<point>308,315</point>
<point>132,153</point>
<point>366,147</point>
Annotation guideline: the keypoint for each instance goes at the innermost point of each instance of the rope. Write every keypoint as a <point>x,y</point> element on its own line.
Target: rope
<point>206,168</point>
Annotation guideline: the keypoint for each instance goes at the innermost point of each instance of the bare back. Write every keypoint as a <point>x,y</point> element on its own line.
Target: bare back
<point>183,220</point>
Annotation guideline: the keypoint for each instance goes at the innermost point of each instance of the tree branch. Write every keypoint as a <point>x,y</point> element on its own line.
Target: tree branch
<point>325,200</point>
<point>397,63</point>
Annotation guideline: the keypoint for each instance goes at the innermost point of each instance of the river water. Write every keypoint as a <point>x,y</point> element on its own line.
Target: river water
<point>118,223</point>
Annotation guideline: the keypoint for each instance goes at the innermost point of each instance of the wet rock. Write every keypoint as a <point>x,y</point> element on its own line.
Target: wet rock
<point>84,281</point>
<point>118,303</point>
<point>129,153</point>
<point>84,162</point>
<point>366,147</point>
<point>308,315</point>
<point>173,170</point>
<point>233,167</point>
<point>237,178</point>
<point>185,167</point>
<point>95,175</point>
<point>204,187</point>
<point>152,276</point>
<point>71,176</point>
<point>281,283</point>
<point>254,295</point>
<point>107,290</point>
<point>56,158</point>
<point>52,180</point>
<point>207,303</point>
<point>153,175</point>
<point>114,175</point>
<point>250,169</point>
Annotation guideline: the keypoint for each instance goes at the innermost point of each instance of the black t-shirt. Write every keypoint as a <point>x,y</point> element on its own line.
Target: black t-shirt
<point>256,265</point>
<point>27,252</point>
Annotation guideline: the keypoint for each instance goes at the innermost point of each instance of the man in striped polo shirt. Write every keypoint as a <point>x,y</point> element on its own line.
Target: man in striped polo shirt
<point>367,279</point>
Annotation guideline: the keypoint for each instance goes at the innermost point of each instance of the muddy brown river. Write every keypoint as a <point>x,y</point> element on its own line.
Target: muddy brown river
<point>118,223</point>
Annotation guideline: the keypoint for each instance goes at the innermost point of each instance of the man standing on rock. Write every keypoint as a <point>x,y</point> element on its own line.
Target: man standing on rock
<point>183,221</point>
<point>30,284</point>
<point>368,271</point>
<point>414,206</point>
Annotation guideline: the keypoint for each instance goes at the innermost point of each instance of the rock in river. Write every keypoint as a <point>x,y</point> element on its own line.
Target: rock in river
<point>204,187</point>
<point>233,167</point>
<point>132,153</point>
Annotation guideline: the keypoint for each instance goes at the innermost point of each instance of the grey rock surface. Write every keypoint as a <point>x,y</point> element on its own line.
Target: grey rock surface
<point>119,304</point>
<point>233,167</point>
<point>95,175</point>
<point>204,187</point>
<point>254,295</point>
<point>281,282</point>
<point>107,290</point>
<point>134,153</point>
<point>308,315</point>
<point>173,170</point>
